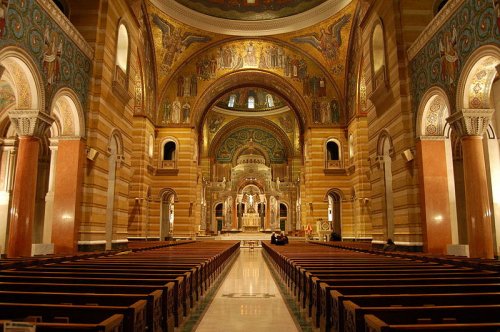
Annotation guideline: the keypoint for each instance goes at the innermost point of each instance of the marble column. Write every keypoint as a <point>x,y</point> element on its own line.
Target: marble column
<point>434,194</point>
<point>470,125</point>
<point>49,197</point>
<point>7,168</point>
<point>30,126</point>
<point>68,194</point>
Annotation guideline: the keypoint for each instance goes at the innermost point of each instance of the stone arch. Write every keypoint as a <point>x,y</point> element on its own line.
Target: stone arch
<point>168,192</point>
<point>29,87</point>
<point>168,197</point>
<point>68,112</point>
<point>383,138</point>
<point>240,123</point>
<point>251,77</point>
<point>478,74</point>
<point>334,198</point>
<point>433,110</point>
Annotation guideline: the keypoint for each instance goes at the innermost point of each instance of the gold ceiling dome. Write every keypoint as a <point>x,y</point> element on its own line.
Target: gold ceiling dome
<point>251,18</point>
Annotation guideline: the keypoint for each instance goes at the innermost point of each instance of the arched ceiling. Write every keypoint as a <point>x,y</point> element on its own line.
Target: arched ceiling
<point>307,66</point>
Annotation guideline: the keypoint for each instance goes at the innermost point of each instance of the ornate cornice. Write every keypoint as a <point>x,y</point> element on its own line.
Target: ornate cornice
<point>437,22</point>
<point>251,28</point>
<point>471,122</point>
<point>67,27</point>
<point>30,122</point>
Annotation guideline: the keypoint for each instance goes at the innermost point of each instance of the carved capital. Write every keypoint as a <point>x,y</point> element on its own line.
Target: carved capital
<point>470,122</point>
<point>30,122</point>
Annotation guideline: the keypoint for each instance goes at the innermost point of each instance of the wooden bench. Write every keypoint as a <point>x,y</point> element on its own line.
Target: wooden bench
<point>334,306</point>
<point>354,315</point>
<point>168,310</point>
<point>154,316</point>
<point>374,324</point>
<point>112,324</point>
<point>134,316</point>
<point>335,321</point>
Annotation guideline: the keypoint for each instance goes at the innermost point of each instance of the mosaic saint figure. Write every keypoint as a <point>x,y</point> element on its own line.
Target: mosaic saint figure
<point>176,111</point>
<point>52,52</point>
<point>335,111</point>
<point>449,56</point>
<point>186,111</point>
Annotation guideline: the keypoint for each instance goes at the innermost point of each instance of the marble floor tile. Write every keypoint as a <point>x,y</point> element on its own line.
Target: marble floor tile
<point>248,300</point>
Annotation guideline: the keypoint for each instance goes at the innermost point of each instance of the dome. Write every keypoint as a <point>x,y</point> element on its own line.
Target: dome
<point>250,10</point>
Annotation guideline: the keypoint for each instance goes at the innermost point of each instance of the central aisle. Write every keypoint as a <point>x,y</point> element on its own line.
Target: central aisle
<point>248,300</point>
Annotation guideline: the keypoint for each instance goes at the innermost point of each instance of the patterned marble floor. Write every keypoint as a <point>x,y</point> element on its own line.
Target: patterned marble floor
<point>248,300</point>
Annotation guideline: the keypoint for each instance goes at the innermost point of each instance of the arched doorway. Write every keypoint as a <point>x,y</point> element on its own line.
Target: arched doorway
<point>219,216</point>
<point>334,216</point>
<point>283,217</point>
<point>385,152</point>
<point>167,215</point>
<point>115,151</point>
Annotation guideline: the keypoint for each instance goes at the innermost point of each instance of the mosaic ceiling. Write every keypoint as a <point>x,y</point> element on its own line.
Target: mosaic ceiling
<point>250,10</point>
<point>190,60</point>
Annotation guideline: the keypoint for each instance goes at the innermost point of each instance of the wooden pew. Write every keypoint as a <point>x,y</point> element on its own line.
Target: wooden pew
<point>354,315</point>
<point>167,294</point>
<point>134,316</point>
<point>374,324</point>
<point>185,295</point>
<point>334,306</point>
<point>335,321</point>
<point>179,308</point>
<point>112,324</point>
<point>154,316</point>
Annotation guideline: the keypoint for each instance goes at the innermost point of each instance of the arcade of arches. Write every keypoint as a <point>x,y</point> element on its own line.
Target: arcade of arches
<point>145,119</point>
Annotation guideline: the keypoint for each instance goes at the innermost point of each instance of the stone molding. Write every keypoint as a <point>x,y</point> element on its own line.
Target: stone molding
<point>437,22</point>
<point>432,138</point>
<point>470,122</point>
<point>67,27</point>
<point>30,122</point>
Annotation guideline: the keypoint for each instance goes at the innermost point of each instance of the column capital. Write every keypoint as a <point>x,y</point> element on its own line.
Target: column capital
<point>30,122</point>
<point>470,122</point>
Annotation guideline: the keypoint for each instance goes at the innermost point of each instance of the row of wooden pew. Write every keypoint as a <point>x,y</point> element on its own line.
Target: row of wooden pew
<point>350,290</point>
<point>138,290</point>
<point>476,263</point>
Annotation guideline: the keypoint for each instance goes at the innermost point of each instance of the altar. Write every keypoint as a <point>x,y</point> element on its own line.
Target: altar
<point>251,222</point>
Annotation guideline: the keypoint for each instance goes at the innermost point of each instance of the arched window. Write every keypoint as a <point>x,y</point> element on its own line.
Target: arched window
<point>232,99</point>
<point>63,6</point>
<point>438,5</point>
<point>251,102</point>
<point>151,146</point>
<point>333,155</point>
<point>332,151</point>
<point>169,151</point>
<point>169,155</point>
<point>122,48</point>
<point>378,55</point>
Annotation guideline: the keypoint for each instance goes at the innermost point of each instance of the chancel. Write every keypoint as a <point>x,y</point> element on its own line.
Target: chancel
<point>165,142</point>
